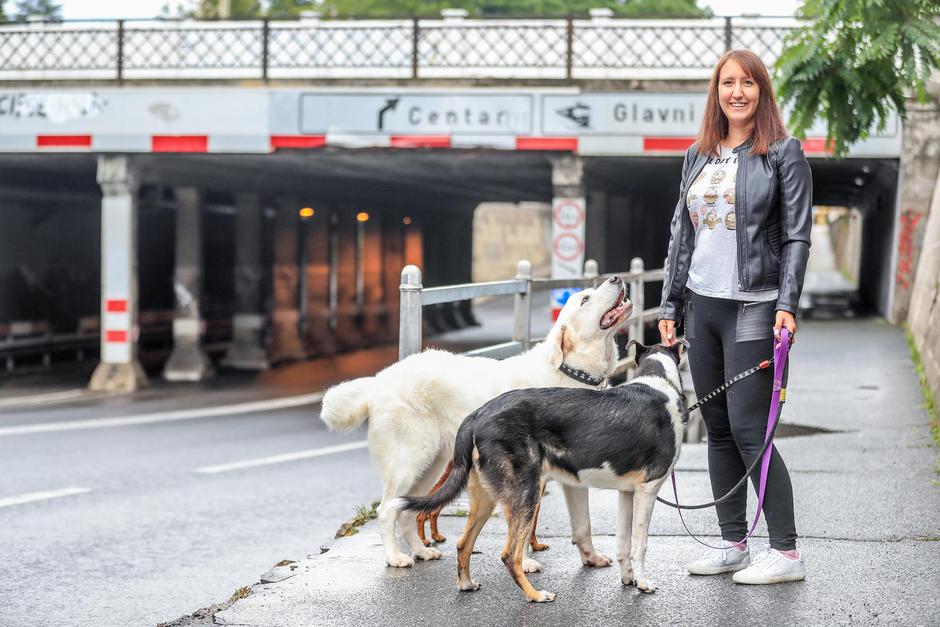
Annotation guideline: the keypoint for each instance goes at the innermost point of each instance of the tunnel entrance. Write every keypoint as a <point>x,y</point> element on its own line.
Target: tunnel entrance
<point>419,206</point>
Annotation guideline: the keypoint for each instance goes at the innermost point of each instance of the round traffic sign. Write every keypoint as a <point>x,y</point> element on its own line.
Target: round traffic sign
<point>568,213</point>
<point>567,246</point>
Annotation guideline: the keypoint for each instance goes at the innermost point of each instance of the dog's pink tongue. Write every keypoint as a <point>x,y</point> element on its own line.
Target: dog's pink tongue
<point>612,315</point>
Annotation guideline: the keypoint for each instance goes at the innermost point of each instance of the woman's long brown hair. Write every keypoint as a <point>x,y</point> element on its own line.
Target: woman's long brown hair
<point>768,123</point>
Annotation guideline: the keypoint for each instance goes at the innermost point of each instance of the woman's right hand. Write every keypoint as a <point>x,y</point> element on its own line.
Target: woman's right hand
<point>667,332</point>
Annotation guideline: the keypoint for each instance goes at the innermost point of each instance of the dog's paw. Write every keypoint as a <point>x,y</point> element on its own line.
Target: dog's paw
<point>543,596</point>
<point>596,560</point>
<point>428,554</point>
<point>626,577</point>
<point>538,546</point>
<point>470,586</point>
<point>645,586</point>
<point>426,542</point>
<point>399,561</point>
<point>437,538</point>
<point>529,565</point>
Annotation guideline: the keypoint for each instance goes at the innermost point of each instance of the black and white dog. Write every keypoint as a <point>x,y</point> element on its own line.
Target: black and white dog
<point>625,438</point>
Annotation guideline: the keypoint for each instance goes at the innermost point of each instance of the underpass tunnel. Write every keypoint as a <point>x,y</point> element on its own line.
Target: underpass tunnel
<point>631,200</point>
<point>328,281</point>
<point>332,275</point>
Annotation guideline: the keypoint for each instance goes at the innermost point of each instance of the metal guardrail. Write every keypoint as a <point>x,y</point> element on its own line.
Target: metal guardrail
<point>34,338</point>
<point>414,296</point>
<point>532,48</point>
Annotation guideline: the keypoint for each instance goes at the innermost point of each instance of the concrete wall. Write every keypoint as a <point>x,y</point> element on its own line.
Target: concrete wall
<point>924,316</point>
<point>920,165</point>
<point>919,236</point>
<point>504,233</point>
<point>845,229</point>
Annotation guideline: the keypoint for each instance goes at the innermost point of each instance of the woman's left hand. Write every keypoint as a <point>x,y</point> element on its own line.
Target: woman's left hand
<point>784,319</point>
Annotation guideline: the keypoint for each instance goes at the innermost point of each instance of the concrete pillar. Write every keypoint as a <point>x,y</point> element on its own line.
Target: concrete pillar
<point>920,164</point>
<point>285,343</point>
<point>119,370</point>
<point>188,361</point>
<point>317,268</point>
<point>246,351</point>
<point>596,229</point>
<point>347,313</point>
<point>568,222</point>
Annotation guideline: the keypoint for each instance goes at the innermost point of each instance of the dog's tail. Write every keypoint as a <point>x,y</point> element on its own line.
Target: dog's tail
<point>346,406</point>
<point>463,460</point>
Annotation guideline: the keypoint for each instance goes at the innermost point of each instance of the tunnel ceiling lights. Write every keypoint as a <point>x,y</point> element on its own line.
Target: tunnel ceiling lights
<point>362,216</point>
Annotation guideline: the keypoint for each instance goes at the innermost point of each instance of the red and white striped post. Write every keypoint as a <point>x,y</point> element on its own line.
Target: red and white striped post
<point>119,369</point>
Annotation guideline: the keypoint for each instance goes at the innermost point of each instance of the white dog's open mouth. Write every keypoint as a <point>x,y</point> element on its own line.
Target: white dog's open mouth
<point>619,312</point>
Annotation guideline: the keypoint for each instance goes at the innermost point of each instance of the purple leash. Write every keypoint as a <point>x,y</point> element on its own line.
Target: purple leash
<point>778,397</point>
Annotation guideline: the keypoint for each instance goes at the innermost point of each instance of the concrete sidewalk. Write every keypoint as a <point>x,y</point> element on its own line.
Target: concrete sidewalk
<point>868,512</point>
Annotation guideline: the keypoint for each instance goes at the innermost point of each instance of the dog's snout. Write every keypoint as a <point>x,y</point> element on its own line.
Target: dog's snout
<point>616,279</point>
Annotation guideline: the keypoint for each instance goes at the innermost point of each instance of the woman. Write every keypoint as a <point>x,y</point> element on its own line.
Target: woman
<point>737,255</point>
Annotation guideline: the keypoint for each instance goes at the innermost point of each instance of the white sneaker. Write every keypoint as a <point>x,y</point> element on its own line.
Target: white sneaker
<point>726,560</point>
<point>772,567</point>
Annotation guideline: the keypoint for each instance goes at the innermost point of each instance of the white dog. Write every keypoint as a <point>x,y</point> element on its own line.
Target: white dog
<point>415,407</point>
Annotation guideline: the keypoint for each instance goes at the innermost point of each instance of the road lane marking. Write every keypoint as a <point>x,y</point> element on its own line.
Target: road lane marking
<point>41,496</point>
<point>280,459</point>
<point>41,399</point>
<point>182,414</point>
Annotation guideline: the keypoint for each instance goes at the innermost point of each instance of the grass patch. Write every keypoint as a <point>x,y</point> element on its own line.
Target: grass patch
<point>364,513</point>
<point>929,402</point>
<point>241,593</point>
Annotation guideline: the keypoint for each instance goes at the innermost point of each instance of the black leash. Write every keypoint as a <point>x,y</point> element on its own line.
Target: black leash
<point>727,384</point>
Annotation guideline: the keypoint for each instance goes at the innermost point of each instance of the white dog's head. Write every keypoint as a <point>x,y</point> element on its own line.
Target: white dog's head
<point>583,334</point>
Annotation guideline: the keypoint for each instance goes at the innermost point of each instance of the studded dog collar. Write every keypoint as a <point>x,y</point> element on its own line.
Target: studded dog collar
<point>581,376</point>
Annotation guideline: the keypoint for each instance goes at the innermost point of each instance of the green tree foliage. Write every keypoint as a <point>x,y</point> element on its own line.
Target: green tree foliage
<point>285,9</point>
<point>855,62</point>
<point>240,9</point>
<point>624,8</point>
<point>23,9</point>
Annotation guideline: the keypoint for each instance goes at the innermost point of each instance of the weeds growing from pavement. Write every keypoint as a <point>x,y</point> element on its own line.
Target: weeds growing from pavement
<point>929,403</point>
<point>241,593</point>
<point>364,513</point>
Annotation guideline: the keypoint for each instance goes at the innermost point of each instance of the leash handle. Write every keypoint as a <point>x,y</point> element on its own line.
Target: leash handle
<point>780,371</point>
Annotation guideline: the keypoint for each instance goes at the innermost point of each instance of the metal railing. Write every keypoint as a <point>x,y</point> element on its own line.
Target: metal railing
<point>533,48</point>
<point>26,340</point>
<point>414,296</point>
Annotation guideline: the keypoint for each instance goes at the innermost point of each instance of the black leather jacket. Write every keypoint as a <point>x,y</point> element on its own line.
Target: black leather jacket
<point>774,194</point>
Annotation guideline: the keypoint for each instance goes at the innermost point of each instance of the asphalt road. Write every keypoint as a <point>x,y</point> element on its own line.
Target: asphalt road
<point>129,529</point>
<point>152,537</point>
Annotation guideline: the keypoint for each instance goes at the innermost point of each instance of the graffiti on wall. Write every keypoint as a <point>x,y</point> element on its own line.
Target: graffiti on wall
<point>904,274</point>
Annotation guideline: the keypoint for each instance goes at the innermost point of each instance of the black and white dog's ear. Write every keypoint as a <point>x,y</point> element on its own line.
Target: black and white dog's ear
<point>679,349</point>
<point>639,350</point>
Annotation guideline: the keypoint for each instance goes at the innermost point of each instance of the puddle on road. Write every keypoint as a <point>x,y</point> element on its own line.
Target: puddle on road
<point>790,430</point>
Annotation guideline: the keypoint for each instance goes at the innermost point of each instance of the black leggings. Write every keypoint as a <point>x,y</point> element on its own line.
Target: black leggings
<point>725,338</point>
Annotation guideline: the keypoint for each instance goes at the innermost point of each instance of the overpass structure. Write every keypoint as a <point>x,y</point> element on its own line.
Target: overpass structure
<point>208,137</point>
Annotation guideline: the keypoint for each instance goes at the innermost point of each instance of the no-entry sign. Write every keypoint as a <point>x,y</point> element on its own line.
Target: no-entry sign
<point>567,245</point>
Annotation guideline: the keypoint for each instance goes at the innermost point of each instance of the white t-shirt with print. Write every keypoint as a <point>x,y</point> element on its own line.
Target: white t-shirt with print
<point>713,270</point>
